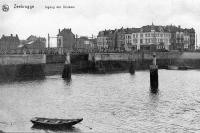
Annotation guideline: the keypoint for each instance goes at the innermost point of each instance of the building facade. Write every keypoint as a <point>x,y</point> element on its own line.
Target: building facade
<point>105,40</point>
<point>66,39</point>
<point>84,43</point>
<point>182,38</point>
<point>120,39</point>
<point>9,42</point>
<point>151,36</point>
<point>33,44</point>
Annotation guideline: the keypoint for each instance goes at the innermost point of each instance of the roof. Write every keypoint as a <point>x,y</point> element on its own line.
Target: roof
<point>64,31</point>
<point>132,30</point>
<point>10,38</point>
<point>146,28</point>
<point>34,38</point>
<point>106,33</point>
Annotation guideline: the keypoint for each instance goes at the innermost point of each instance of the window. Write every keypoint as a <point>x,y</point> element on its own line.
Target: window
<point>141,41</point>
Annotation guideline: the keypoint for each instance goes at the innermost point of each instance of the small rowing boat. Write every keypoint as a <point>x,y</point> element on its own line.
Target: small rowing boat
<point>55,123</point>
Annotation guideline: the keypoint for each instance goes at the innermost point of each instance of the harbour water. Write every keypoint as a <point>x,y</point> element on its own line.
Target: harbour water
<point>107,102</point>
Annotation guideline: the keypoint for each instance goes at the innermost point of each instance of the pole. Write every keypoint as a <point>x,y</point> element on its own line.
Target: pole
<point>132,65</point>
<point>67,68</point>
<point>154,76</point>
<point>48,41</point>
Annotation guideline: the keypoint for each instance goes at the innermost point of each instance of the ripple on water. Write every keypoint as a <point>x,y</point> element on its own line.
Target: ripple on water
<point>112,102</point>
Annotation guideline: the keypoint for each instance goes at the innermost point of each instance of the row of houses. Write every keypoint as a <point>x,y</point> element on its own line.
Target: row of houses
<point>147,38</point>
<point>67,40</point>
<point>12,43</point>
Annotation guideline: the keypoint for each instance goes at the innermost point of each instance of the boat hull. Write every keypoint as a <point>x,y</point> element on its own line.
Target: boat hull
<point>55,123</point>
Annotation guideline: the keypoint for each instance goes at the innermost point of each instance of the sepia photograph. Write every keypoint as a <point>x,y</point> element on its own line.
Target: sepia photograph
<point>99,66</point>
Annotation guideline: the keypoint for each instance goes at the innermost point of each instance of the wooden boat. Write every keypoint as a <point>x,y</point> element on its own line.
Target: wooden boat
<point>55,123</point>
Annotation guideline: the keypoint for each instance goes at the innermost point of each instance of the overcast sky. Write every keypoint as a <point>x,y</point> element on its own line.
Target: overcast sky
<point>90,16</point>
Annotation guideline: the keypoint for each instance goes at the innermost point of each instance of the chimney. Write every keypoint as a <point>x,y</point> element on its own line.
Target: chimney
<point>11,35</point>
<point>59,31</point>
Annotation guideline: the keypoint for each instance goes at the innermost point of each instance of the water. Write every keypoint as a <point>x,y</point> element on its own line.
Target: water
<point>108,103</point>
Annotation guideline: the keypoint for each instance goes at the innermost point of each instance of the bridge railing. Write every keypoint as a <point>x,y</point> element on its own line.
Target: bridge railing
<point>55,51</point>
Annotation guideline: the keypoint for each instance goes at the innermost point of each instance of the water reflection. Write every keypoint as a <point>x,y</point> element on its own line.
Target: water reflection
<point>154,90</point>
<point>46,129</point>
<point>67,82</point>
<point>22,80</point>
<point>109,103</point>
<point>154,96</point>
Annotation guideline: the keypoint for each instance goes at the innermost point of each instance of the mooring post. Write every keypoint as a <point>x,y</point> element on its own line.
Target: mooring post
<point>154,75</point>
<point>67,68</point>
<point>132,65</point>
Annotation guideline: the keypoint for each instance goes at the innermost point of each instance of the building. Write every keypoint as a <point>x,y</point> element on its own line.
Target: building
<point>111,40</point>
<point>33,44</point>
<point>94,43</point>
<point>84,43</point>
<point>130,42</point>
<point>149,37</point>
<point>119,39</point>
<point>105,40</point>
<point>182,39</point>
<point>9,42</point>
<point>66,39</point>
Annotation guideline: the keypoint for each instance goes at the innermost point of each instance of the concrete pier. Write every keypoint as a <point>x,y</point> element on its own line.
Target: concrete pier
<point>66,74</point>
<point>154,76</point>
<point>22,67</point>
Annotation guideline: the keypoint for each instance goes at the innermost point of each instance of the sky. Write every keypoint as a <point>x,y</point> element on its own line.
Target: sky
<point>88,17</point>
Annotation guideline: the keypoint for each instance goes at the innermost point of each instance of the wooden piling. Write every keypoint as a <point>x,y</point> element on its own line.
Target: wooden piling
<point>66,74</point>
<point>132,67</point>
<point>154,76</point>
<point>132,64</point>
